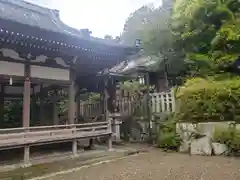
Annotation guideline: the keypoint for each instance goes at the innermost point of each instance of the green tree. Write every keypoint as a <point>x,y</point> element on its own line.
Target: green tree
<point>108,37</point>
<point>153,27</point>
<point>135,24</point>
<point>209,33</point>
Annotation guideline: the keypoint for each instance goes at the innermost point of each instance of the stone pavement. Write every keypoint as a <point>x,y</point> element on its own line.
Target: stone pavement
<point>157,165</point>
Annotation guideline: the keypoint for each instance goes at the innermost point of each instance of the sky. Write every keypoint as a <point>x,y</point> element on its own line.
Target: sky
<point>100,16</point>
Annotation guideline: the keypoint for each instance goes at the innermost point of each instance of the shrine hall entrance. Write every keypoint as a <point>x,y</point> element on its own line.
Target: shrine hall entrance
<point>46,103</point>
<point>39,117</point>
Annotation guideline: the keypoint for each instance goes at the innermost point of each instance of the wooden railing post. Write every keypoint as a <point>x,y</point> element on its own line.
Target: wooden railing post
<point>74,144</point>
<point>71,108</point>
<point>110,136</point>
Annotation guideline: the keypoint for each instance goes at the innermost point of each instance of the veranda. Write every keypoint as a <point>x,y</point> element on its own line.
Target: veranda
<point>43,60</point>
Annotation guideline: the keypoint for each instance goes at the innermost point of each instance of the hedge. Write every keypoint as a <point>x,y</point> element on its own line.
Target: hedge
<point>202,100</point>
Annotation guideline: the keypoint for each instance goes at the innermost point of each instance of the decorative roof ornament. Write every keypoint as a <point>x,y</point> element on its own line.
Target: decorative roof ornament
<point>138,43</point>
<point>85,33</point>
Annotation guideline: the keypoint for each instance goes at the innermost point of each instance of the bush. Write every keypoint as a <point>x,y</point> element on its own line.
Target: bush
<point>229,136</point>
<point>202,100</point>
<point>168,139</point>
<point>223,135</point>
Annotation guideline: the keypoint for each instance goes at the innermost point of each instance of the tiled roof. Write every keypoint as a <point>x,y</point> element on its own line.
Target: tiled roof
<point>132,65</point>
<point>48,19</point>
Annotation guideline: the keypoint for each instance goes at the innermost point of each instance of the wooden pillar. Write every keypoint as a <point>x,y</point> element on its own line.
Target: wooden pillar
<point>55,108</point>
<point>78,103</point>
<point>166,77</point>
<point>106,112</point>
<point>147,81</point>
<point>26,109</point>
<point>71,108</point>
<point>2,102</point>
<point>71,101</point>
<point>42,115</point>
<point>33,107</point>
<point>112,88</point>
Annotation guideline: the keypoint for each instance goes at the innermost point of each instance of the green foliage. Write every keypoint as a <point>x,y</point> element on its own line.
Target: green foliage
<point>168,139</point>
<point>209,33</point>
<point>90,97</point>
<point>133,87</point>
<point>108,37</point>
<point>12,114</point>
<point>223,135</point>
<point>93,97</point>
<point>135,24</point>
<point>229,136</point>
<point>204,100</point>
<point>152,26</point>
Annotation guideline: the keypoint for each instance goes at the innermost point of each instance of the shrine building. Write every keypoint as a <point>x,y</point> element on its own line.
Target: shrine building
<point>41,60</point>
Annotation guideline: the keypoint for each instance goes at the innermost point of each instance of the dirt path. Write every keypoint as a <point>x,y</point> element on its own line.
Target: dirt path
<point>156,165</point>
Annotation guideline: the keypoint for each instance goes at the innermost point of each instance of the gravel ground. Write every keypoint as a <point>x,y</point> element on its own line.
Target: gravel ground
<point>156,165</point>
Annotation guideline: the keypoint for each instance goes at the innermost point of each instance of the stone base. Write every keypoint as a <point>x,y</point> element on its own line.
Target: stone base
<point>111,150</point>
<point>74,156</point>
<point>24,165</point>
<point>201,146</point>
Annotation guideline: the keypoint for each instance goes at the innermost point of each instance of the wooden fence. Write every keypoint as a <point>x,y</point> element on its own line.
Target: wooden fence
<point>159,103</point>
<point>162,102</point>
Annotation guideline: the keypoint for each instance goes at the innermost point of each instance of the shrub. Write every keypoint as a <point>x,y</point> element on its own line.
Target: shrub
<point>229,136</point>
<point>223,135</point>
<point>235,146</point>
<point>169,141</point>
<point>167,138</point>
<point>202,100</point>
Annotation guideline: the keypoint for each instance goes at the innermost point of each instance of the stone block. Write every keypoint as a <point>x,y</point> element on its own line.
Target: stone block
<point>219,149</point>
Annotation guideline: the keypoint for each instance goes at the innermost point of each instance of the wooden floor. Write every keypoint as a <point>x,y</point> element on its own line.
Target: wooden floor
<point>18,137</point>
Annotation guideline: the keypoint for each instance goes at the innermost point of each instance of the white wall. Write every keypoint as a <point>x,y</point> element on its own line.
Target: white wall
<point>12,69</point>
<point>50,73</point>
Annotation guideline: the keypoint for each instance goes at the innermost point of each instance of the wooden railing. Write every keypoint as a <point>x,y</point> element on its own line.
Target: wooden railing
<point>16,137</point>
